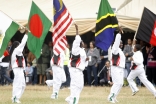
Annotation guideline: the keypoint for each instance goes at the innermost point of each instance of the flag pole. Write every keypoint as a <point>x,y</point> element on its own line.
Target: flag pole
<point>21,26</point>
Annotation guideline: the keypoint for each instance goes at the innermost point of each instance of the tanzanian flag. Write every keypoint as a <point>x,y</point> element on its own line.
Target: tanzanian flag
<point>105,25</point>
<point>147,27</point>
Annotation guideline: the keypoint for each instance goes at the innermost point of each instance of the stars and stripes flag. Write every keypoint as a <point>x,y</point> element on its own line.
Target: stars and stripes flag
<point>62,21</point>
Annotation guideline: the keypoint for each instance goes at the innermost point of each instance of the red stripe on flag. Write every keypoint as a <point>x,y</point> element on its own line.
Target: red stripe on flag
<point>63,48</point>
<point>63,31</point>
<point>61,15</point>
<point>59,27</point>
<point>64,41</point>
<point>61,24</point>
<point>56,50</point>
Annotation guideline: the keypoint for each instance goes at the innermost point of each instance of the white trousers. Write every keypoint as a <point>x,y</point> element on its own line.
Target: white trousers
<point>141,74</point>
<point>49,83</point>
<point>59,77</point>
<point>117,78</point>
<point>18,83</point>
<point>76,85</point>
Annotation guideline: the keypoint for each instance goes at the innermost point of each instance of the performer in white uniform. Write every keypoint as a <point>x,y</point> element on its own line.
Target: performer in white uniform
<point>18,65</point>
<point>137,70</point>
<point>58,74</point>
<point>76,66</point>
<point>118,64</point>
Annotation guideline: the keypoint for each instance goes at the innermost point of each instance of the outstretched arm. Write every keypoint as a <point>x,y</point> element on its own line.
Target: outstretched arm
<point>76,43</point>
<point>20,48</point>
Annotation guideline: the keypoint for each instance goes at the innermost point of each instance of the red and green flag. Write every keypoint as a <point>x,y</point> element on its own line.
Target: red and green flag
<point>39,25</point>
<point>147,27</point>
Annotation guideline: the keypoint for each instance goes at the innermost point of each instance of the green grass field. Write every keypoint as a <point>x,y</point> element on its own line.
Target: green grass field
<point>89,95</point>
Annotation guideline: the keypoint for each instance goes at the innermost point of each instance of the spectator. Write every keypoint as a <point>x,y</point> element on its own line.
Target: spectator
<point>151,64</point>
<point>94,58</point>
<point>128,53</point>
<point>66,69</point>
<point>25,53</point>
<point>42,64</point>
<point>143,50</point>
<point>29,72</point>
<point>49,73</point>
<point>9,68</point>
<point>106,74</point>
<point>34,77</point>
<point>85,70</point>
<point>104,58</point>
<point>32,59</point>
<point>5,59</point>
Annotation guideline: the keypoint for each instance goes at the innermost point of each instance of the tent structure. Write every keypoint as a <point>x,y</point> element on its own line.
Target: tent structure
<point>84,12</point>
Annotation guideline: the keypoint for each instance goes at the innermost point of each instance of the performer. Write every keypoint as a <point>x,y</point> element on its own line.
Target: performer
<point>137,70</point>
<point>59,77</point>
<point>76,66</point>
<point>118,65</point>
<point>18,66</point>
<point>4,64</point>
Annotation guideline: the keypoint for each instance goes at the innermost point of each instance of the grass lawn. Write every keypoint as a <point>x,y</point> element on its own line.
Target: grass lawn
<point>89,95</point>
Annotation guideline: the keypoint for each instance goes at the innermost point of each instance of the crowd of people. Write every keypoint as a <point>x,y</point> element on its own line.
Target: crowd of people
<point>97,69</point>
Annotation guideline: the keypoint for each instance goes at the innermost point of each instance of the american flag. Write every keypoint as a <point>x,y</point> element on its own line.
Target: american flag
<point>62,21</point>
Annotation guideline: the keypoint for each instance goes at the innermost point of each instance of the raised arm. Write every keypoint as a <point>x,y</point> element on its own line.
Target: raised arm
<point>115,48</point>
<point>20,48</point>
<point>76,43</point>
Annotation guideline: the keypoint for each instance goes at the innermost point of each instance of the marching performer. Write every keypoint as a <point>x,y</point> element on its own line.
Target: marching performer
<point>76,66</point>
<point>59,77</point>
<point>117,68</point>
<point>4,64</point>
<point>137,70</point>
<point>18,66</point>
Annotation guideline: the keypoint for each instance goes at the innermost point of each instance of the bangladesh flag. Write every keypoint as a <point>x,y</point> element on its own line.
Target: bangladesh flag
<point>147,27</point>
<point>39,25</point>
<point>8,29</point>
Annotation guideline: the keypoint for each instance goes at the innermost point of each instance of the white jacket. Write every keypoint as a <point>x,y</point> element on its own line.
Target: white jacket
<point>18,51</point>
<point>116,50</point>
<point>77,50</point>
<point>138,59</point>
<point>4,64</point>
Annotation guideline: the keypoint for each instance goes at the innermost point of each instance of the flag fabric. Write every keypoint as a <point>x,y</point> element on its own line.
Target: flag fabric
<point>8,29</point>
<point>147,27</point>
<point>62,21</point>
<point>39,25</point>
<point>106,23</point>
